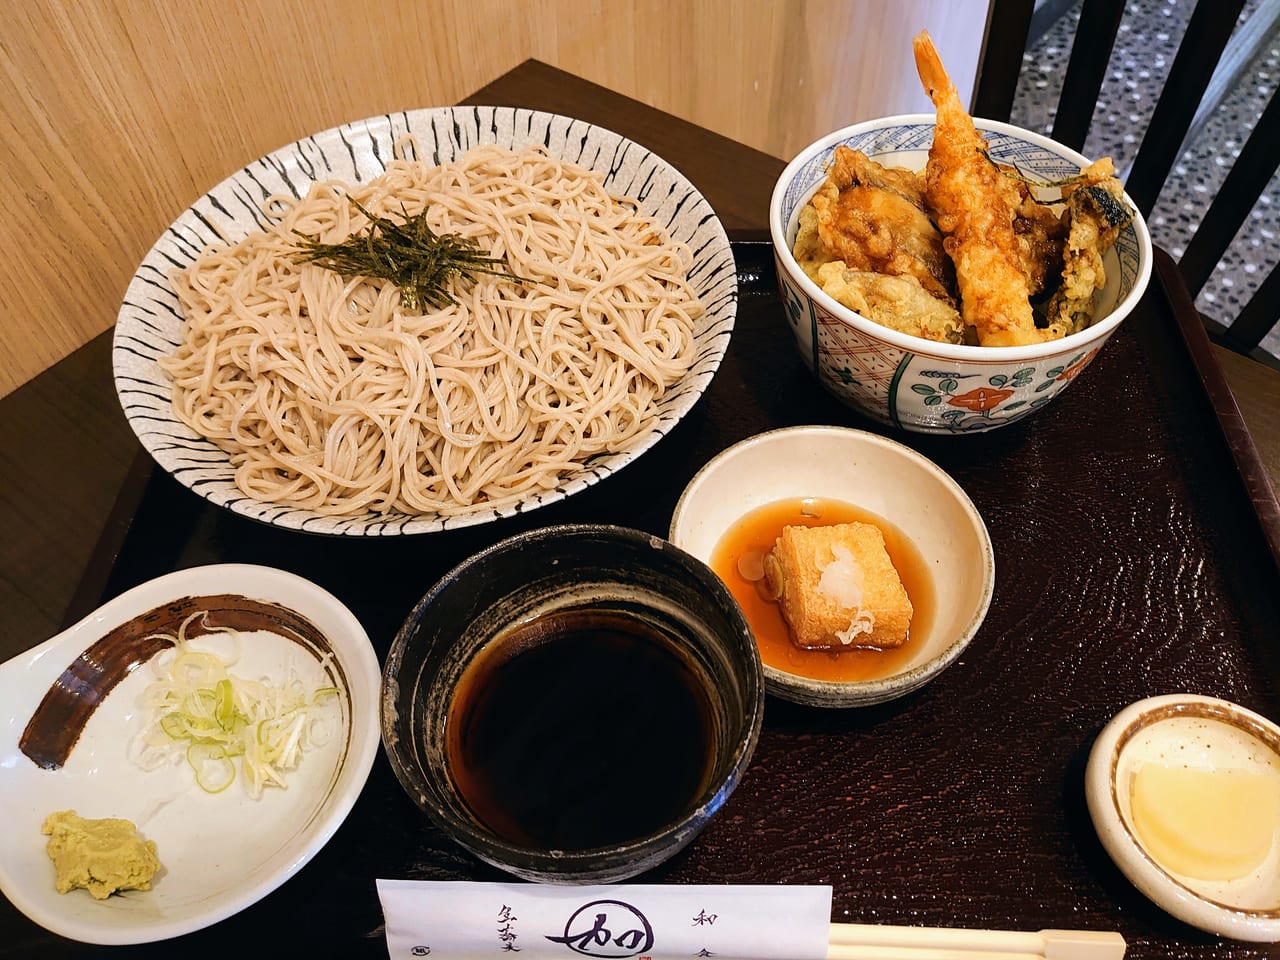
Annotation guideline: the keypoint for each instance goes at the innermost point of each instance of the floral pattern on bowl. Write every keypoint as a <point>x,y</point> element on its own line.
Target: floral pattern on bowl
<point>916,384</point>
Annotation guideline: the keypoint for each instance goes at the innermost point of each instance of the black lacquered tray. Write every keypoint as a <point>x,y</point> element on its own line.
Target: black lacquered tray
<point>1133,558</point>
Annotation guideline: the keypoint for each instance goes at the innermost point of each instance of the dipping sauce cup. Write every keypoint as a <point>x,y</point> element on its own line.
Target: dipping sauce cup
<point>573,704</point>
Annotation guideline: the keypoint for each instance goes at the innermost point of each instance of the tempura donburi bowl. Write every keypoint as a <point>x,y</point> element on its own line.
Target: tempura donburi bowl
<point>917,384</point>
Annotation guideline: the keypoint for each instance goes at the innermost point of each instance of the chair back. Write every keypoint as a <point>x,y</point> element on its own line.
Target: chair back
<point>1205,63</point>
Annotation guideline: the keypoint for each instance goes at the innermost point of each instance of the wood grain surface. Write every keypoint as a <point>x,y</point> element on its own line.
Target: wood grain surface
<point>117,114</point>
<point>66,449</point>
<point>1257,391</point>
<point>1130,562</point>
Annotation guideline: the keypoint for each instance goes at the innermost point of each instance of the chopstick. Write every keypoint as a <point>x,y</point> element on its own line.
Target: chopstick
<point>865,941</point>
<point>838,952</point>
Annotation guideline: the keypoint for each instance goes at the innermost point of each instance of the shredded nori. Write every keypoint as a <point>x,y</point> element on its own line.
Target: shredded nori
<point>1113,209</point>
<point>420,262</point>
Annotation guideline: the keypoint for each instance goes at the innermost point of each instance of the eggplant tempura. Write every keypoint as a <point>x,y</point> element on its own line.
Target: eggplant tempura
<point>1097,213</point>
<point>970,244</point>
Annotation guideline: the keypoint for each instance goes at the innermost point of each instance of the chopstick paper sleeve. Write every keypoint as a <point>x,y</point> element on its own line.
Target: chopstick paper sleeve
<point>447,920</point>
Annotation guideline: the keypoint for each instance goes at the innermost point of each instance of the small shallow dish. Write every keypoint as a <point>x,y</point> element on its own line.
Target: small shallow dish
<point>150,321</point>
<point>522,580</point>
<point>884,478</point>
<point>1201,733</point>
<point>917,384</point>
<point>219,853</point>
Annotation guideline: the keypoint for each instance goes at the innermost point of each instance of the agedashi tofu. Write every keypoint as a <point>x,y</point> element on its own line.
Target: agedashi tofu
<point>838,587</point>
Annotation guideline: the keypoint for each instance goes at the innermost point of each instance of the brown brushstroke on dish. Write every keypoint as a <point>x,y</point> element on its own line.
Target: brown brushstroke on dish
<point>59,720</point>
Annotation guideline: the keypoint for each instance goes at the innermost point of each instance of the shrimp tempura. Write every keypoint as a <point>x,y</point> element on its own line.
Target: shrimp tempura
<point>974,206</point>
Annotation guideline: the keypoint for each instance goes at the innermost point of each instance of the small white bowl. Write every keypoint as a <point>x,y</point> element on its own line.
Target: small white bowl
<point>1196,731</point>
<point>917,384</point>
<point>881,477</point>
<point>219,853</point>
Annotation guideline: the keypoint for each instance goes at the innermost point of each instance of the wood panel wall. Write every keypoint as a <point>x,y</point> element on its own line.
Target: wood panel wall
<point>117,114</point>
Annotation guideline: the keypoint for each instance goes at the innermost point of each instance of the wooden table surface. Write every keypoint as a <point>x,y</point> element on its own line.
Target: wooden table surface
<point>1256,388</point>
<point>65,448</point>
<point>66,452</point>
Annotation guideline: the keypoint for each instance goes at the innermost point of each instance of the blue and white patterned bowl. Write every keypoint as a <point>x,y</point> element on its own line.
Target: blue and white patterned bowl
<point>917,384</point>
<point>150,321</point>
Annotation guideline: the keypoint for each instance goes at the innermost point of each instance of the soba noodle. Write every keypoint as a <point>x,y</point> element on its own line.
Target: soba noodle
<point>328,396</point>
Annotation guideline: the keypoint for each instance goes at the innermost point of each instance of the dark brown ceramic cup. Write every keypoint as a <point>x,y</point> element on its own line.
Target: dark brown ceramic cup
<point>490,610</point>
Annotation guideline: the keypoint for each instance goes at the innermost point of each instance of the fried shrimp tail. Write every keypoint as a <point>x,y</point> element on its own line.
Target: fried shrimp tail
<point>974,206</point>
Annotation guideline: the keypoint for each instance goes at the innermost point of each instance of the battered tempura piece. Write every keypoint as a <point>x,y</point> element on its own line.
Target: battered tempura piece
<point>808,249</point>
<point>904,249</point>
<point>1097,214</point>
<point>899,303</point>
<point>975,205</point>
<point>873,218</point>
<point>1041,230</point>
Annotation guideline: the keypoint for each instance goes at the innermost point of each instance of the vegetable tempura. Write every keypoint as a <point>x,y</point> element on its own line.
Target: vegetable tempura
<point>969,250</point>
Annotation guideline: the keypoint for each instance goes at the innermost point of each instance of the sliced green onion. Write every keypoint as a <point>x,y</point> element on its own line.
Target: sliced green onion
<point>217,718</point>
<point>214,769</point>
<point>225,712</point>
<point>774,583</point>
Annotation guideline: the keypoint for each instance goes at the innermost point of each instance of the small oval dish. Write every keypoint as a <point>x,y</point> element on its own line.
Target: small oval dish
<point>880,477</point>
<point>72,708</point>
<point>1184,792</point>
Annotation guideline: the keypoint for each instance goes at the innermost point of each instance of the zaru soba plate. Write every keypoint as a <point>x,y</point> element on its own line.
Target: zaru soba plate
<point>72,709</point>
<point>151,324</point>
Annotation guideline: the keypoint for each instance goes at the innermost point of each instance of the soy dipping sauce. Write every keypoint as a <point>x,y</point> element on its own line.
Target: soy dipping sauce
<point>579,729</point>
